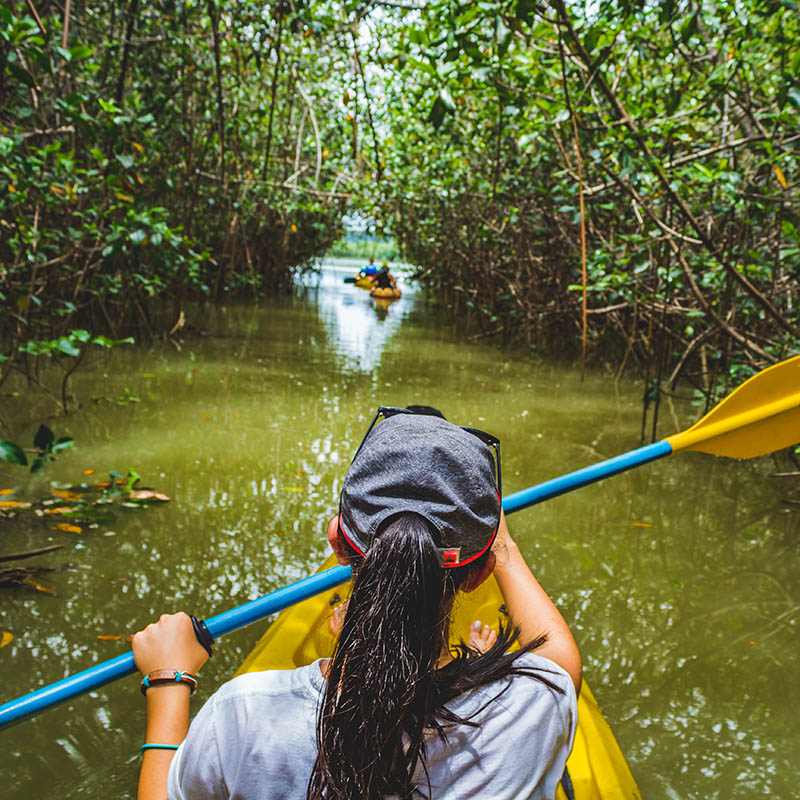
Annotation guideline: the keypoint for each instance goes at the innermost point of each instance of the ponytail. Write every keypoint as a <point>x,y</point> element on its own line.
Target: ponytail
<point>384,689</point>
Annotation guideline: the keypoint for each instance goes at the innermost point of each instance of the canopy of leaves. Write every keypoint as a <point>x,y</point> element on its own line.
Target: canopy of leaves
<point>673,124</point>
<point>202,148</point>
<point>152,150</point>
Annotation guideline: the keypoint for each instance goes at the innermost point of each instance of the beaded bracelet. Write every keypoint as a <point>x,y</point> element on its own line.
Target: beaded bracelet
<point>160,677</point>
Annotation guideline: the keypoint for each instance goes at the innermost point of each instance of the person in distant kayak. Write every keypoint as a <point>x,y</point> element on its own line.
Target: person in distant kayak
<point>384,278</point>
<point>370,269</point>
<point>396,712</point>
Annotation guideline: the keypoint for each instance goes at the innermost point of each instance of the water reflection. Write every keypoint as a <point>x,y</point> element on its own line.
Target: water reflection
<point>360,327</point>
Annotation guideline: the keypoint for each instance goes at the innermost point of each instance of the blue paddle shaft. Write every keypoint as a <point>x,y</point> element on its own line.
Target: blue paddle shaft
<point>119,667</point>
<point>101,674</point>
<point>583,477</point>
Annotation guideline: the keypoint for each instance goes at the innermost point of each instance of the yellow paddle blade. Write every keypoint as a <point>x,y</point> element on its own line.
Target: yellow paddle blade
<point>759,417</point>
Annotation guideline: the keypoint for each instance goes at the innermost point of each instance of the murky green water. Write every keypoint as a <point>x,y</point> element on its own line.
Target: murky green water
<point>680,578</point>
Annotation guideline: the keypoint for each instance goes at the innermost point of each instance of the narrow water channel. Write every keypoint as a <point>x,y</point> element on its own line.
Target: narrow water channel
<point>680,579</point>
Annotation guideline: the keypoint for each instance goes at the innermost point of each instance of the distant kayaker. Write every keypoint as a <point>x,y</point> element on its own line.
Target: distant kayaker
<point>396,712</point>
<point>370,268</point>
<point>384,278</point>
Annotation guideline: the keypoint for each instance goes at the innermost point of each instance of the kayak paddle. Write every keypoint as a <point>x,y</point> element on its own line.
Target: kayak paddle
<point>759,417</point>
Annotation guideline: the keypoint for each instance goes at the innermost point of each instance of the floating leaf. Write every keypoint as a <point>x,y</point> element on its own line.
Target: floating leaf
<point>5,638</point>
<point>88,472</point>
<point>65,494</point>
<point>38,586</point>
<point>108,637</point>
<point>13,504</point>
<point>146,495</point>
<point>293,489</point>
<point>67,528</point>
<point>4,492</point>
<point>207,416</point>
<point>60,510</point>
<point>642,524</point>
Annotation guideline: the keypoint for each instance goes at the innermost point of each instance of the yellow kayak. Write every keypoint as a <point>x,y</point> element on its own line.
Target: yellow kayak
<point>364,283</point>
<point>387,292</point>
<point>597,769</point>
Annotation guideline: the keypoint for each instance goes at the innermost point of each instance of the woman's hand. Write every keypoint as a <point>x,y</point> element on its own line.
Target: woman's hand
<point>169,643</point>
<point>503,543</point>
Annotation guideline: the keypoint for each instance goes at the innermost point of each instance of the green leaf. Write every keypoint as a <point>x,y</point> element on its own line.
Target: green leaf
<point>44,438</point>
<point>12,453</point>
<point>38,464</point>
<point>447,99</point>
<point>133,479</point>
<point>689,28</point>
<point>21,75</point>
<point>126,161</point>
<point>64,443</point>
<point>110,108</point>
<point>438,110</point>
<point>68,347</point>
<point>104,341</point>
<point>525,10</point>
<point>81,51</point>
<point>591,39</point>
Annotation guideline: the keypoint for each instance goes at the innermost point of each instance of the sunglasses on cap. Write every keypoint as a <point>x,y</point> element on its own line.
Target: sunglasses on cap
<point>491,441</point>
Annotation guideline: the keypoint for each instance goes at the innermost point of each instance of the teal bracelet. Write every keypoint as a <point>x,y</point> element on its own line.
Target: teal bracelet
<point>159,747</point>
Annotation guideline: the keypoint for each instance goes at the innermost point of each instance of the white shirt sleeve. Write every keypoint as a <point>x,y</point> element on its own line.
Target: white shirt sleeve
<point>196,770</point>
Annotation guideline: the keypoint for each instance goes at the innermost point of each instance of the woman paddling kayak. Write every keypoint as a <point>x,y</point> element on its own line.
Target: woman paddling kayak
<point>395,712</point>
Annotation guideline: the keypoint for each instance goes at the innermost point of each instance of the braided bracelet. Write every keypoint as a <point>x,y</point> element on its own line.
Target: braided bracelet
<point>160,677</point>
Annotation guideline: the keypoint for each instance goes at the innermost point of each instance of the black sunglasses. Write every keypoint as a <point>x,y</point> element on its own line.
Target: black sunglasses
<point>486,438</point>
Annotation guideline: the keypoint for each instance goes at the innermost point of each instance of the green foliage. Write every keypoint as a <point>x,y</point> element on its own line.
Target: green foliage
<point>679,121</point>
<point>45,448</point>
<point>209,161</point>
<point>70,345</point>
<point>222,154</point>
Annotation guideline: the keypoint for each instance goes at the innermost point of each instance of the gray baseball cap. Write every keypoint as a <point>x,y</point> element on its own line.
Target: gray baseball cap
<point>428,466</point>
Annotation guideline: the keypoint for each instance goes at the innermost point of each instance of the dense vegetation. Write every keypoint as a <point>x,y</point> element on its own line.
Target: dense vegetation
<point>666,134</point>
<point>616,177</point>
<point>160,150</point>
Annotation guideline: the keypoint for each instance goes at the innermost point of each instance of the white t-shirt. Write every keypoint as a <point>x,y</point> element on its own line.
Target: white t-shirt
<point>255,739</point>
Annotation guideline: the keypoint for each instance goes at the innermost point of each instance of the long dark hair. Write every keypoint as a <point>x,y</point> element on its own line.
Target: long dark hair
<point>384,689</point>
